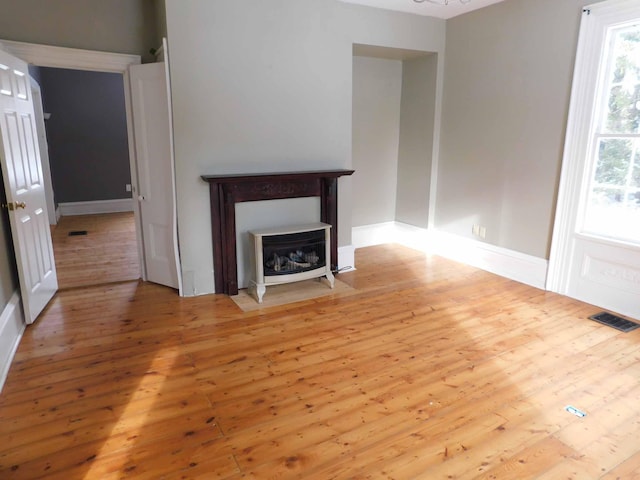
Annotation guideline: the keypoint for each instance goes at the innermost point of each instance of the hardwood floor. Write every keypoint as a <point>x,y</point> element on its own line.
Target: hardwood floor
<point>108,253</point>
<point>427,370</point>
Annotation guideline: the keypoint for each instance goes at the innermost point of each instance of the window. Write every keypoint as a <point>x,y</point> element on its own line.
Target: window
<point>613,198</point>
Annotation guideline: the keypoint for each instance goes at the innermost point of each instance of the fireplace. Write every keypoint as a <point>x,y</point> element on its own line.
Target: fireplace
<point>227,190</point>
<point>290,254</point>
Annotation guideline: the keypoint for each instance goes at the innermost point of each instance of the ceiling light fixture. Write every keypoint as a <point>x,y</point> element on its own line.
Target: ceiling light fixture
<point>441,2</point>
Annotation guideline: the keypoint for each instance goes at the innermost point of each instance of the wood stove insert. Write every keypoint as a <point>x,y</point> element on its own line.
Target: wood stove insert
<point>290,254</point>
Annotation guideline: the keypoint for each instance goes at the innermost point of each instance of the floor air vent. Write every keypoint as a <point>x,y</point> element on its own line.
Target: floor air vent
<point>77,233</point>
<point>615,321</point>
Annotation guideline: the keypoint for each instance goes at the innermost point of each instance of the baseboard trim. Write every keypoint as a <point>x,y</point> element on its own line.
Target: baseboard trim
<point>95,207</point>
<point>507,263</point>
<point>347,257</point>
<point>391,232</point>
<point>376,234</point>
<point>501,261</point>
<point>12,327</point>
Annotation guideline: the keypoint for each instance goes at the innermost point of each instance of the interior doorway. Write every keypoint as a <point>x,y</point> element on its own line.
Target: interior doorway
<point>93,228</point>
<point>86,60</point>
<point>150,144</point>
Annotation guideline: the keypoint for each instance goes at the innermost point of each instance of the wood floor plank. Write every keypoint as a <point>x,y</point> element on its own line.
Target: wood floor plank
<point>628,468</point>
<point>427,369</point>
<point>107,253</point>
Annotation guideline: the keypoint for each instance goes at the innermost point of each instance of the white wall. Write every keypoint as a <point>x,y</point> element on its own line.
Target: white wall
<point>377,85</point>
<point>266,86</point>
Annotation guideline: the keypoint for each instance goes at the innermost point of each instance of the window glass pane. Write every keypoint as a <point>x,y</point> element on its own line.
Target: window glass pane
<point>613,213</point>
<point>635,179</point>
<point>614,158</point>
<point>613,205</point>
<point>613,196</point>
<point>623,105</point>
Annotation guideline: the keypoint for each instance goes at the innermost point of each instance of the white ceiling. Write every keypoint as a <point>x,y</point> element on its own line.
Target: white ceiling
<point>454,8</point>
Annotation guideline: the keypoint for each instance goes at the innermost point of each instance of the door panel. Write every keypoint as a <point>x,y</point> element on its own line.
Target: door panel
<point>22,175</point>
<point>43,149</point>
<point>156,190</point>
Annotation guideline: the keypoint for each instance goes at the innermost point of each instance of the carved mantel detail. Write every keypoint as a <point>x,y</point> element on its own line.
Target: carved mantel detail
<point>227,190</point>
<point>279,190</point>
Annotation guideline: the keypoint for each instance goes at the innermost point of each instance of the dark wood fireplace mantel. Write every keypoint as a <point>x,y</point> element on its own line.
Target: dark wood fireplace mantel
<point>227,190</point>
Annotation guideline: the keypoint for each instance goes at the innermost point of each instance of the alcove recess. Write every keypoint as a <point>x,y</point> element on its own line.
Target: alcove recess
<point>227,190</point>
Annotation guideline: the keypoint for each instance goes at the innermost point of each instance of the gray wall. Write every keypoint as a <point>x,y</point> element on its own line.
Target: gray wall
<point>87,134</point>
<point>377,85</point>
<point>122,26</point>
<point>507,84</point>
<point>393,123</point>
<point>267,86</point>
<point>161,18</point>
<point>417,123</point>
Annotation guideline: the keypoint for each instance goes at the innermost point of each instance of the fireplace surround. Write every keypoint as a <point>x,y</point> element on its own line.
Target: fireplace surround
<point>227,190</point>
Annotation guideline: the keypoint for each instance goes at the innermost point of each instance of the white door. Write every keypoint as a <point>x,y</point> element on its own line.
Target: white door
<point>596,251</point>
<point>156,185</point>
<point>36,91</point>
<point>24,187</point>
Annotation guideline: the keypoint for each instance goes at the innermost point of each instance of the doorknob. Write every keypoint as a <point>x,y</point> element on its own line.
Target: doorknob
<point>13,206</point>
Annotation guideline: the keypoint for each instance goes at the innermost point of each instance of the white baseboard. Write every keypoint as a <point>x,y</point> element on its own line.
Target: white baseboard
<point>95,207</point>
<point>377,234</point>
<point>507,263</point>
<point>501,261</point>
<point>347,257</point>
<point>391,232</point>
<point>11,329</point>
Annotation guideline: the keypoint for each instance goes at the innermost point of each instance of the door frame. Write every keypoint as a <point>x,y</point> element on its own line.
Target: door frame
<point>595,21</point>
<point>77,59</point>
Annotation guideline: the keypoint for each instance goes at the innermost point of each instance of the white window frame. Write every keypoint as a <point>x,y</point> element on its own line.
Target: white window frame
<point>597,19</point>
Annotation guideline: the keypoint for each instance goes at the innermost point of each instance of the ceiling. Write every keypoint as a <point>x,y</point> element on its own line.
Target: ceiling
<point>454,8</point>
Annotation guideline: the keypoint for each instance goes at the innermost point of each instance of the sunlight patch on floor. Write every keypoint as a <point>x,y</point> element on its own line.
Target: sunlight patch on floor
<point>131,419</point>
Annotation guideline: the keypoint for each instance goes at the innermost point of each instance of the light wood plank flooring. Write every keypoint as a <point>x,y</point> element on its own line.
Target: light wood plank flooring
<point>108,253</point>
<point>428,369</point>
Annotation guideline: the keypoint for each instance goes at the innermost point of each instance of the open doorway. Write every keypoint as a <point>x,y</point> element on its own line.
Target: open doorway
<point>149,133</point>
<point>94,235</point>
